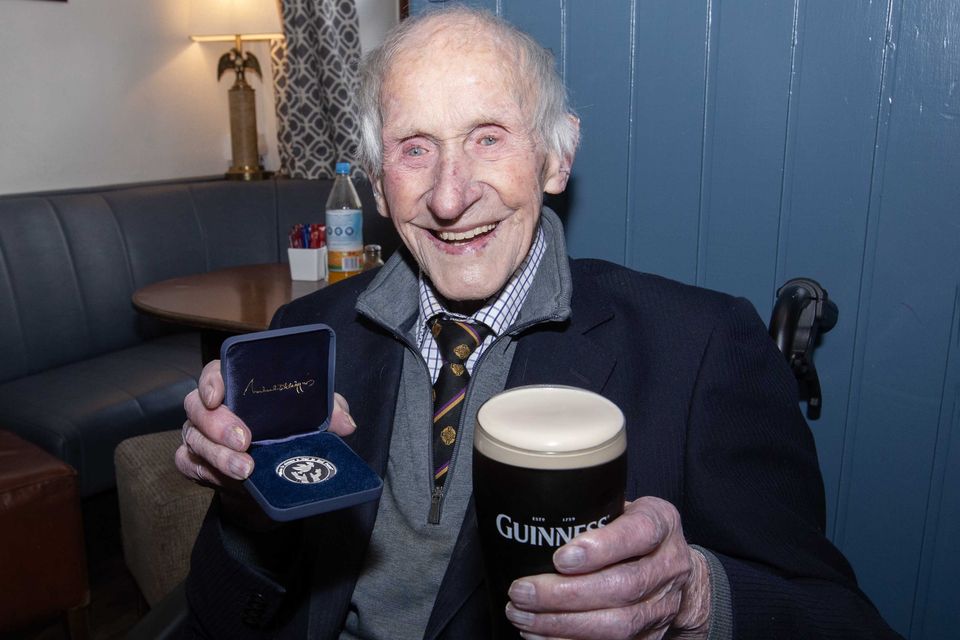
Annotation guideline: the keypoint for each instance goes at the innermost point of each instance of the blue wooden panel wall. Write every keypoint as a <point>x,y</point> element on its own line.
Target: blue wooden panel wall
<point>737,144</point>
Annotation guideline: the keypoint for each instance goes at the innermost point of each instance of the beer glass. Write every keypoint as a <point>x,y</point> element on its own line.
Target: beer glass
<point>549,463</point>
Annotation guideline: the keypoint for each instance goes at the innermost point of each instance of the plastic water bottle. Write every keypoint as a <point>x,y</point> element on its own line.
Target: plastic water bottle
<point>344,227</point>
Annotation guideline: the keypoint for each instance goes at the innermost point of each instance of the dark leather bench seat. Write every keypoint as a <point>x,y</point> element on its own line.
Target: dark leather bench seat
<point>81,411</point>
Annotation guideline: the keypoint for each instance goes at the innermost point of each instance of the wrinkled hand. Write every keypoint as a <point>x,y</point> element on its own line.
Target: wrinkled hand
<point>215,440</point>
<point>634,578</point>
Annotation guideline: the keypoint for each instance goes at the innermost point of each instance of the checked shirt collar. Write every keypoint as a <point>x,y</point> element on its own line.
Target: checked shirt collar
<point>498,314</point>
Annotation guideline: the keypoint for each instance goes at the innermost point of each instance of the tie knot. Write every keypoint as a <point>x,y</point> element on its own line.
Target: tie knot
<point>457,339</point>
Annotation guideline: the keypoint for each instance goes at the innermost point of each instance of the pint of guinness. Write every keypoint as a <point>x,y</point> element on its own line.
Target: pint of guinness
<point>549,463</point>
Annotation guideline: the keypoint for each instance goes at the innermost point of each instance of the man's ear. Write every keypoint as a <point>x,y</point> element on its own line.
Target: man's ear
<point>557,170</point>
<point>379,199</point>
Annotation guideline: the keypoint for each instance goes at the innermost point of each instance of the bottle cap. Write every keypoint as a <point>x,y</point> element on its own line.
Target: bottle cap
<point>343,168</point>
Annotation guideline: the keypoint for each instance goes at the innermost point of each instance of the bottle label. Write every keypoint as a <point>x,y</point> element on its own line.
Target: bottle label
<point>344,229</point>
<point>343,264</point>
<point>350,262</point>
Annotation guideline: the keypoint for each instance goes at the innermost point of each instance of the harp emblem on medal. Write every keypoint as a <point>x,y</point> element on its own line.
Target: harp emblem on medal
<point>306,470</point>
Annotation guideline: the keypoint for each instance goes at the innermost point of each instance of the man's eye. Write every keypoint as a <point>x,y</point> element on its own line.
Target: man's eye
<point>416,151</point>
<point>487,141</point>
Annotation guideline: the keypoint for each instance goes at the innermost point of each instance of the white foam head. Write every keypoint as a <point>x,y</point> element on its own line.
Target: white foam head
<point>550,427</point>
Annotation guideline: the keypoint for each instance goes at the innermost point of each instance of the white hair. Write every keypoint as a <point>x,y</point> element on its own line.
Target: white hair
<point>554,122</point>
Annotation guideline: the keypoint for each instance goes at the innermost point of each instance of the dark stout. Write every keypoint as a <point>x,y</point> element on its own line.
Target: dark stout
<point>549,463</point>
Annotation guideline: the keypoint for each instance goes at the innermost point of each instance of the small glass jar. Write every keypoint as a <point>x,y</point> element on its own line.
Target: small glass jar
<point>371,257</point>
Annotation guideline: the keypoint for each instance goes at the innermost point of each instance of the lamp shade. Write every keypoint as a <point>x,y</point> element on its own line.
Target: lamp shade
<point>225,20</point>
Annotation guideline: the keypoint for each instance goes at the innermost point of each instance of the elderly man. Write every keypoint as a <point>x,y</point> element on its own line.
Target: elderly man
<point>465,127</point>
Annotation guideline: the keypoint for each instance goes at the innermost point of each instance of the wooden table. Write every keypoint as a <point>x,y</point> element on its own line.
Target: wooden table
<point>224,302</point>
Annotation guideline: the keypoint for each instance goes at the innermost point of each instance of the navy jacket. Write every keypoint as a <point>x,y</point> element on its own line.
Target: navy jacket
<point>714,427</point>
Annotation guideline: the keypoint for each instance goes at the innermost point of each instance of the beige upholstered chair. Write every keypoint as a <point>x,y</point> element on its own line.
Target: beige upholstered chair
<point>160,512</point>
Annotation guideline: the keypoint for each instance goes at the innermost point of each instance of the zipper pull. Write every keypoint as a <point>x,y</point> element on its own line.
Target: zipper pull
<point>436,498</point>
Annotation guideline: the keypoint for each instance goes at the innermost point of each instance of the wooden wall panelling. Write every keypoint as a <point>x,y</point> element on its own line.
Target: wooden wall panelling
<point>745,129</point>
<point>666,154</point>
<point>542,19</point>
<point>599,76</point>
<point>905,325</point>
<point>935,611</point>
<point>834,103</point>
<point>935,52</point>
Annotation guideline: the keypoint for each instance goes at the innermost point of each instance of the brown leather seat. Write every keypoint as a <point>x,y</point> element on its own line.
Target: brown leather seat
<point>44,569</point>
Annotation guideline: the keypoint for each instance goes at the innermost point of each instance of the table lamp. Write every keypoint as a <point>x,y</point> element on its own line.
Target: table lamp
<point>238,21</point>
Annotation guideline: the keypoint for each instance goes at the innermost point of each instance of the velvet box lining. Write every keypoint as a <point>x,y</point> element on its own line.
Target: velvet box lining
<point>280,383</point>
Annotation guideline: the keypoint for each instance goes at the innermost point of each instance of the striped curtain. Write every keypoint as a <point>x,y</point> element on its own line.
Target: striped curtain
<point>316,82</point>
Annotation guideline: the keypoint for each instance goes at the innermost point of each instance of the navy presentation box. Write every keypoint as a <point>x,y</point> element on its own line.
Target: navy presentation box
<point>280,383</point>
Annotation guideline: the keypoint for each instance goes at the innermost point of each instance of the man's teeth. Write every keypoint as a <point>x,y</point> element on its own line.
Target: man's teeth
<point>458,236</point>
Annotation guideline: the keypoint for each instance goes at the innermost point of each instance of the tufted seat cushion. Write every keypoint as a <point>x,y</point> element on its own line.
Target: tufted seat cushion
<point>83,410</point>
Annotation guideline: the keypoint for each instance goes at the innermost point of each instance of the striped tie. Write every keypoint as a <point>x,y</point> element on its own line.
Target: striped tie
<point>456,340</point>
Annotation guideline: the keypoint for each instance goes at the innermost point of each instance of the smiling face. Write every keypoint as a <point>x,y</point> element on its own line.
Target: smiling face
<point>463,171</point>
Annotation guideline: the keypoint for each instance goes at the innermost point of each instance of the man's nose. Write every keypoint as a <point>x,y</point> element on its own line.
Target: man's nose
<point>454,187</point>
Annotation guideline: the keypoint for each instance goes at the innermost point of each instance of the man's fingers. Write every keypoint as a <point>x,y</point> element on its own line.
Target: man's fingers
<point>223,459</point>
<point>219,425</point>
<point>341,422</point>
<point>625,579</point>
<point>644,525</point>
<point>642,620</point>
<point>193,467</point>
<point>621,585</point>
<point>211,385</point>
